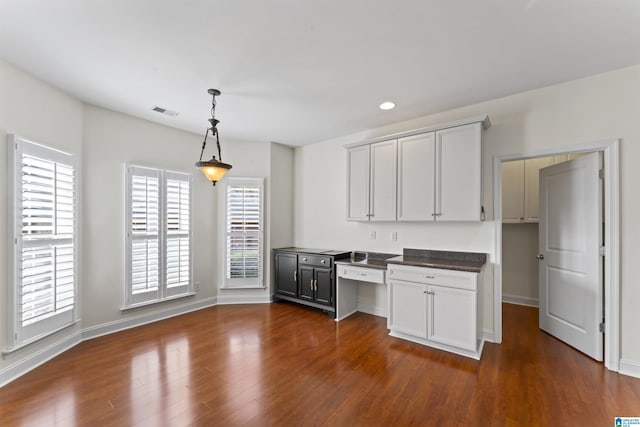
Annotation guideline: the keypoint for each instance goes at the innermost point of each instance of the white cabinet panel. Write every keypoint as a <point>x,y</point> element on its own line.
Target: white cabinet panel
<point>383,181</point>
<point>408,308</point>
<point>531,169</point>
<point>459,173</point>
<point>416,177</point>
<point>513,191</point>
<point>358,183</point>
<point>452,317</point>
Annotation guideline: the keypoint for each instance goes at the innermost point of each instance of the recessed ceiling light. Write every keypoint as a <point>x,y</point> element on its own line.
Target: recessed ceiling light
<point>388,105</point>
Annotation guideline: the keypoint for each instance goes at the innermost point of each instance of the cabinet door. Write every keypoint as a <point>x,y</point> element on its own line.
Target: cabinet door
<point>383,181</point>
<point>323,286</point>
<point>459,173</point>
<point>408,308</point>
<point>286,274</point>
<point>358,183</point>
<point>416,177</point>
<point>452,317</point>
<point>305,281</point>
<point>531,171</point>
<point>513,191</point>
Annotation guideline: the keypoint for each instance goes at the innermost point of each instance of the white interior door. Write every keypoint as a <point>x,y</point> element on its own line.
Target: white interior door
<point>570,235</point>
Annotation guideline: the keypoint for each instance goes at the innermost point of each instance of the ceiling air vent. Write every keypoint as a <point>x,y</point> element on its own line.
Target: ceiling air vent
<point>165,111</point>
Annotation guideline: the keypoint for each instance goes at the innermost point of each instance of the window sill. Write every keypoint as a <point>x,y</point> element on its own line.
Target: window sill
<point>156,301</point>
<point>226,288</point>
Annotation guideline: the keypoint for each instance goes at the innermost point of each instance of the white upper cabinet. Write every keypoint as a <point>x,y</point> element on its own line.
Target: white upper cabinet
<point>513,191</point>
<point>358,183</point>
<point>383,181</point>
<point>416,177</point>
<point>520,187</point>
<point>459,173</point>
<point>432,174</point>
<point>371,187</point>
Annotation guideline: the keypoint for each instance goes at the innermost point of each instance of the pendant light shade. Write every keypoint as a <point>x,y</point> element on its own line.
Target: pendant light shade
<point>213,169</point>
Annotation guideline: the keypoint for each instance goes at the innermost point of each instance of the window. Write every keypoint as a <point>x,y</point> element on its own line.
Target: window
<point>42,297</point>
<point>158,253</point>
<point>244,233</point>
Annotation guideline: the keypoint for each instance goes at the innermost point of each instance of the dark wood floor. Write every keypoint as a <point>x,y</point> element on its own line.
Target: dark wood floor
<point>282,364</point>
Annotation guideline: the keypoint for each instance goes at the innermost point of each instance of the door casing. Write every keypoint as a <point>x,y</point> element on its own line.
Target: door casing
<point>611,214</point>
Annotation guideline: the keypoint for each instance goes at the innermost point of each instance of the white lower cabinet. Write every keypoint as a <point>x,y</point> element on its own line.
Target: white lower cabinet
<point>452,317</point>
<point>435,307</point>
<point>408,308</point>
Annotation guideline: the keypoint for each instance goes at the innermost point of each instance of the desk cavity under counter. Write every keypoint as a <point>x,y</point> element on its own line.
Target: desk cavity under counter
<point>368,269</point>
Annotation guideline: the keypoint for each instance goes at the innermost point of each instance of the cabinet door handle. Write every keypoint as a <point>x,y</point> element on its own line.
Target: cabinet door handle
<point>311,284</point>
<point>363,274</point>
<point>426,276</point>
<point>315,285</point>
<point>324,261</point>
<point>295,275</point>
<point>429,292</point>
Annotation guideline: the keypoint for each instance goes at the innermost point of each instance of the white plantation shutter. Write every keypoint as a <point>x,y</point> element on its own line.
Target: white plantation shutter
<point>244,232</point>
<point>158,234</point>
<point>178,232</point>
<point>44,260</point>
<point>143,234</point>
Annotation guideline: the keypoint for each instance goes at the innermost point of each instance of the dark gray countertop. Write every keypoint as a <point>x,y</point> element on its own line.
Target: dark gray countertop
<point>448,260</point>
<point>328,252</point>
<point>461,261</point>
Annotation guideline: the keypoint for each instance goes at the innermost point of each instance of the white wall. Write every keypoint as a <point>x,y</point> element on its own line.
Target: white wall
<point>104,141</point>
<point>34,110</point>
<point>280,213</point>
<point>274,163</point>
<point>519,263</point>
<point>595,108</point>
<point>110,141</point>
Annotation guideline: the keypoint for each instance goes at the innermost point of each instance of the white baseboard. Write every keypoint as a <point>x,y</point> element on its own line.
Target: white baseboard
<point>629,367</point>
<point>243,299</point>
<point>372,309</point>
<point>143,319</point>
<point>488,335</point>
<point>29,363</point>
<point>515,299</point>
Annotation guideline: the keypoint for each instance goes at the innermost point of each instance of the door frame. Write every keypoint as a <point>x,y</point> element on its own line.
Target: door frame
<point>611,215</point>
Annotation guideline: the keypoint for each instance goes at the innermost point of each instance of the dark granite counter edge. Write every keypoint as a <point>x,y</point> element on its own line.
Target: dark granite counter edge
<point>472,267</point>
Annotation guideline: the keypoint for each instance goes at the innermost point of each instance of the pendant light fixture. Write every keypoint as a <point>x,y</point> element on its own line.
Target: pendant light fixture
<point>213,169</point>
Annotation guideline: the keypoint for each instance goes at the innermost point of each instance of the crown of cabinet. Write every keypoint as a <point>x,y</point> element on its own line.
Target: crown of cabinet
<point>430,174</point>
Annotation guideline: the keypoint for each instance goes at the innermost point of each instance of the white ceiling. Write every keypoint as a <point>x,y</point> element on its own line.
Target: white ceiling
<point>302,71</point>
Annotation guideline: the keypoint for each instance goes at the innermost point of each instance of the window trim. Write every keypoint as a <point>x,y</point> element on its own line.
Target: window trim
<point>163,292</point>
<point>244,283</point>
<point>22,335</point>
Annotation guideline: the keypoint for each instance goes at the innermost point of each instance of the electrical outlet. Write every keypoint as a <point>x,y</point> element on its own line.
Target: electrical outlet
<point>196,286</point>
<point>394,236</point>
<point>373,235</point>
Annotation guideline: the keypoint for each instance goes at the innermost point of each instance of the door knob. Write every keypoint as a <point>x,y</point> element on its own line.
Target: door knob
<point>539,256</point>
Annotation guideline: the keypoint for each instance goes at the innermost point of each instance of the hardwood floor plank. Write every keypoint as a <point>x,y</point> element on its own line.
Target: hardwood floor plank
<point>284,365</point>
